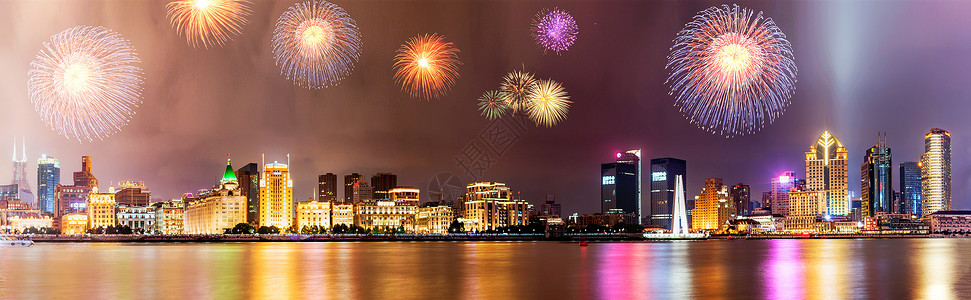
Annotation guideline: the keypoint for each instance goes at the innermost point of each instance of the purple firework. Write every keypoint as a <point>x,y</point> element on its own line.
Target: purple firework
<point>554,30</point>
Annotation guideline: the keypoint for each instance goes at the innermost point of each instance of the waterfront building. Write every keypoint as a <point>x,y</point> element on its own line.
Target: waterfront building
<point>342,214</point>
<point>605,220</point>
<point>249,184</point>
<point>935,172</point>
<point>138,218</point>
<point>18,224</point>
<point>313,213</point>
<point>327,188</point>
<point>826,170</point>
<point>876,180</point>
<point>620,184</point>
<point>170,217</point>
<point>385,216</point>
<point>713,206</point>
<point>24,193</point>
<point>382,183</point>
<point>404,196</point>
<point>349,181</point>
<point>767,222</point>
<point>132,193</point>
<point>276,196</point>
<point>909,202</point>
<point>950,221</point>
<point>48,178</point>
<point>74,223</point>
<point>491,205</point>
<point>741,199</point>
<point>433,218</point>
<point>663,174</point>
<point>219,209</point>
<point>805,207</point>
<point>780,191</point>
<point>361,192</point>
<point>101,208</point>
<point>74,198</point>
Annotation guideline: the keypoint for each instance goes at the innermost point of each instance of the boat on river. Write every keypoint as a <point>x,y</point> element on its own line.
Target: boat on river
<point>9,241</point>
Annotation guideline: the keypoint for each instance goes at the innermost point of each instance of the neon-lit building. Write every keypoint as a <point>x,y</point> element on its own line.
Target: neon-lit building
<point>276,196</point>
<point>74,198</point>
<point>909,201</point>
<point>805,207</point>
<point>48,178</point>
<point>76,223</point>
<point>491,205</point>
<point>620,184</point>
<point>313,213</point>
<point>433,218</point>
<point>876,180</point>
<point>781,185</point>
<point>663,186</point>
<point>826,170</point>
<point>713,206</point>
<point>935,172</point>
<point>101,208</point>
<point>138,218</point>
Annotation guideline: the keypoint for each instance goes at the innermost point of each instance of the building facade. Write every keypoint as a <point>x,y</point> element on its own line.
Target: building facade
<point>950,221</point>
<point>781,185</point>
<point>342,214</point>
<point>909,202</point>
<point>349,181</point>
<point>276,196</point>
<point>663,174</point>
<point>713,206</point>
<point>805,207</point>
<point>433,218</point>
<point>101,209</point>
<point>249,184</point>
<point>491,205</point>
<point>48,178</point>
<point>876,180</point>
<point>742,199</point>
<point>935,172</point>
<point>138,218</point>
<point>385,216</point>
<point>382,184</point>
<point>404,196</point>
<point>133,193</point>
<point>619,184</point>
<point>218,210</point>
<point>170,217</point>
<point>826,170</point>
<point>313,213</point>
<point>327,187</point>
<point>74,223</point>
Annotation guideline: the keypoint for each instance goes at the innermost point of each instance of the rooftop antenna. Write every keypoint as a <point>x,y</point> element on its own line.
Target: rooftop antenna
<point>263,161</point>
<point>14,158</point>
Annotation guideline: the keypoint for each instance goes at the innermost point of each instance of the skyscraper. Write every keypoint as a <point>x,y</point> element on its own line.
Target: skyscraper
<point>276,196</point>
<point>712,206</point>
<point>48,178</point>
<point>249,185</point>
<point>876,175</point>
<point>780,188</point>
<point>382,183</point>
<point>826,170</point>
<point>349,181</point>
<point>935,172</point>
<point>327,187</point>
<point>741,198</point>
<point>20,175</point>
<point>910,188</point>
<point>84,177</point>
<point>664,171</point>
<point>74,198</point>
<point>619,184</point>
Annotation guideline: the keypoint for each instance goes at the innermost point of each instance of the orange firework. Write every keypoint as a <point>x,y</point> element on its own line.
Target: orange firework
<point>208,22</point>
<point>426,66</point>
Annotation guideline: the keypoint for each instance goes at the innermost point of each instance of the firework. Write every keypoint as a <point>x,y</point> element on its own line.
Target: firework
<point>548,103</point>
<point>426,66</point>
<point>208,22</point>
<point>85,83</point>
<point>492,105</point>
<point>515,88</point>
<point>554,30</point>
<point>731,71</point>
<point>316,44</point>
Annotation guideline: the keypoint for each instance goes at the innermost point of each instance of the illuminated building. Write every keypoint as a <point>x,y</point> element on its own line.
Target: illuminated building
<point>276,196</point>
<point>361,192</point>
<point>76,223</point>
<point>136,217</point>
<point>826,170</point>
<point>433,218</point>
<point>101,208</point>
<point>132,193</point>
<point>249,184</point>
<point>385,215</point>
<point>620,184</point>
<point>20,175</point>
<point>18,224</point>
<point>605,220</point>
<point>713,207</point>
<point>342,214</point>
<point>349,181</point>
<point>85,177</point>
<point>404,196</point>
<point>909,202</point>
<point>218,210</point>
<point>805,207</point>
<point>779,204</point>
<point>327,187</point>
<point>767,223</point>
<point>876,180</point>
<point>74,198</point>
<point>313,213</point>
<point>663,174</point>
<point>170,217</point>
<point>48,177</point>
<point>950,221</point>
<point>935,172</point>
<point>382,184</point>
<point>491,205</point>
<point>741,198</point>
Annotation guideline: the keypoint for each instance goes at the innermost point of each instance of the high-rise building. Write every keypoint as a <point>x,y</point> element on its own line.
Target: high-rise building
<point>935,172</point>
<point>382,183</point>
<point>74,198</point>
<point>741,199</point>
<point>713,208</point>
<point>327,188</point>
<point>804,208</point>
<point>663,174</point>
<point>826,170</point>
<point>620,184</point>
<point>766,200</point>
<point>48,178</point>
<point>276,196</point>
<point>25,194</point>
<point>132,193</point>
<point>361,192</point>
<point>876,180</point>
<point>349,181</point>
<point>249,185</point>
<point>550,208</point>
<point>84,177</point>
<point>910,188</point>
<point>101,208</point>
<point>781,185</point>
<point>491,205</point>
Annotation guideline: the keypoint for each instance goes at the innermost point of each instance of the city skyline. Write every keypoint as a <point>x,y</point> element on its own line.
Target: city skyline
<point>177,136</point>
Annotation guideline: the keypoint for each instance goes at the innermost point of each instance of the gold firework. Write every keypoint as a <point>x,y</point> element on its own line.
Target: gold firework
<point>548,103</point>
<point>426,66</point>
<point>515,89</point>
<point>208,22</point>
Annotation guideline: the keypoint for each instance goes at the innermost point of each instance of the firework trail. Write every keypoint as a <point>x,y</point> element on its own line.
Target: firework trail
<point>86,82</point>
<point>208,23</point>
<point>492,105</point>
<point>548,103</point>
<point>426,66</point>
<point>515,88</point>
<point>554,30</point>
<point>731,71</point>
<point>316,44</point>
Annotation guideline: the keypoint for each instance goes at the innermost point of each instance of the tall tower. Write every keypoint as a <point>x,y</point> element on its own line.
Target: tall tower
<point>741,198</point>
<point>276,196</point>
<point>349,181</point>
<point>826,170</point>
<point>249,185</point>
<point>48,178</point>
<point>713,206</point>
<point>679,221</point>
<point>619,187</point>
<point>382,183</point>
<point>935,172</point>
<point>664,188</point>
<point>327,187</point>
<point>781,185</point>
<point>24,191</point>
<point>910,188</point>
<point>876,185</point>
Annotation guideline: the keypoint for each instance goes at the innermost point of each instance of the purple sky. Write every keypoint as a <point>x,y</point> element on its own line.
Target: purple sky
<point>867,66</point>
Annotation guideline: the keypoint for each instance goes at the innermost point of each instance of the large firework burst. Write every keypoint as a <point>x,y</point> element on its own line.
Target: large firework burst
<point>426,66</point>
<point>86,83</point>
<point>554,30</point>
<point>515,88</point>
<point>548,103</point>
<point>208,22</point>
<point>492,105</point>
<point>316,44</point>
<point>731,71</point>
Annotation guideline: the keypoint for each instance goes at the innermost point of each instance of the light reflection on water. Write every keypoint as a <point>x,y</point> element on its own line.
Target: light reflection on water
<point>775,269</point>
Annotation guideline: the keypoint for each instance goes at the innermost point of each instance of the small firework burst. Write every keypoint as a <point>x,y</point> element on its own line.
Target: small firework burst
<point>426,66</point>
<point>492,106</point>
<point>548,103</point>
<point>554,30</point>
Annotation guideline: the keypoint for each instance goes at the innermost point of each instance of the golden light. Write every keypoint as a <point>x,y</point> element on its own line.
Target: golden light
<point>203,4</point>
<point>423,62</point>
<point>208,22</point>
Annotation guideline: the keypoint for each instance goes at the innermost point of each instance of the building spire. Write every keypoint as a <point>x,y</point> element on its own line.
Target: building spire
<point>14,158</point>
<point>23,155</point>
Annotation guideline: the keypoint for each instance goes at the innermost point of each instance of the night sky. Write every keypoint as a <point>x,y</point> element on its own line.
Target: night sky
<point>894,66</point>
